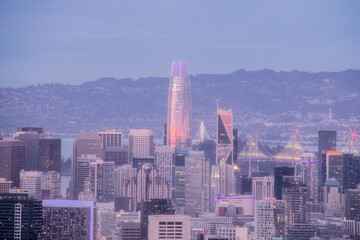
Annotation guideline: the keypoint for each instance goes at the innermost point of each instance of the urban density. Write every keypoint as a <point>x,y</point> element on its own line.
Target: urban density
<point>189,186</point>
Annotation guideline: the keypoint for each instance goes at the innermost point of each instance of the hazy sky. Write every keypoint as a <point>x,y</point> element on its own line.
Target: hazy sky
<point>76,41</point>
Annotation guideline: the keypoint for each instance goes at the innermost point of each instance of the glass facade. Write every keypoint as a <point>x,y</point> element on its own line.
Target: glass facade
<point>179,107</point>
<point>224,137</point>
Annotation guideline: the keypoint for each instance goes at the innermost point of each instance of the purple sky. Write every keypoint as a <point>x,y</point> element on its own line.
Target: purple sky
<point>75,41</point>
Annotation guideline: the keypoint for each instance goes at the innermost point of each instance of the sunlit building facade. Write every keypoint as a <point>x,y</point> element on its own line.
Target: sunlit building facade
<point>179,107</point>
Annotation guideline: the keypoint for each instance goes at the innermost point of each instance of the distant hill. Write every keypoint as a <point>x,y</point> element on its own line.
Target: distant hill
<point>265,101</point>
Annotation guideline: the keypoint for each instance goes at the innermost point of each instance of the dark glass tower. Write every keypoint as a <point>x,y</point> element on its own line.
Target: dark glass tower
<point>327,141</point>
<point>351,171</point>
<point>50,154</point>
<point>20,217</point>
<point>179,107</point>
<point>279,173</point>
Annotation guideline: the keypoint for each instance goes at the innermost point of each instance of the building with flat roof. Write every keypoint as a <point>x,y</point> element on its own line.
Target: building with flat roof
<point>69,219</point>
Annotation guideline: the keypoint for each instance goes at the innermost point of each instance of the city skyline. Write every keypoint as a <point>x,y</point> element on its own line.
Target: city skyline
<point>281,159</point>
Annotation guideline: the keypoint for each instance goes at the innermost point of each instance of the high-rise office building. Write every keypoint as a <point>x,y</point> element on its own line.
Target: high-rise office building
<point>352,204</point>
<point>224,137</point>
<point>50,185</point>
<point>333,199</point>
<point>31,140</point>
<point>119,155</point>
<point>312,166</point>
<point>49,153</point>
<point>222,182</point>
<point>334,166</point>
<point>351,170</point>
<point>326,141</point>
<point>263,187</point>
<point>154,207</point>
<point>87,143</point>
<point>165,161</point>
<point>294,194</point>
<point>270,219</point>
<point>97,179</point>
<point>86,182</point>
<point>179,107</point>
<point>222,174</point>
<point>12,160</point>
<point>69,219</point>
<point>20,216</point>
<point>178,186</point>
<point>105,182</point>
<point>31,180</point>
<point>141,144</point>
<point>279,173</point>
<point>169,227</point>
<point>197,183</point>
<point>110,139</point>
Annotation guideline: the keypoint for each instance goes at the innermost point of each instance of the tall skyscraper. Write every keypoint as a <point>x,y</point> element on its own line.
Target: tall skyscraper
<point>294,193</point>
<point>351,171</point>
<point>334,167</point>
<point>279,173</point>
<point>224,137</point>
<point>352,204</point>
<point>12,160</point>
<point>197,183</point>
<point>222,174</point>
<point>327,141</point>
<point>165,161</point>
<point>178,186</point>
<point>87,143</point>
<point>49,152</point>
<point>31,139</point>
<point>179,107</point>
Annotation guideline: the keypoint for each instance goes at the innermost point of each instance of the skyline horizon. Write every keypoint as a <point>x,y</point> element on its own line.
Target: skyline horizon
<point>168,77</point>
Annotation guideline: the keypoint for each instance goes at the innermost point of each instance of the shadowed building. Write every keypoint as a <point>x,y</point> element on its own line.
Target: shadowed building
<point>49,154</point>
<point>179,107</point>
<point>20,216</point>
<point>12,160</point>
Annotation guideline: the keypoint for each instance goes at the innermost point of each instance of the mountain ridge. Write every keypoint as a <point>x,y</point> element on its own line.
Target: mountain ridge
<point>265,100</point>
